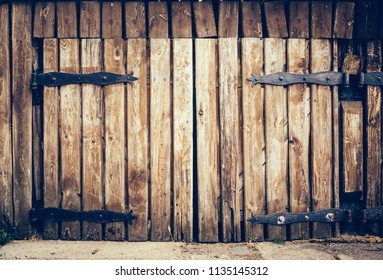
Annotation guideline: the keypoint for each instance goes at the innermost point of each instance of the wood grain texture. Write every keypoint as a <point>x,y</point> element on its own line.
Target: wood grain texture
<point>228,19</point>
<point>275,19</point>
<point>51,138</point>
<point>44,20</point>
<point>183,139</point>
<point>66,19</point>
<point>253,137</point>
<point>367,16</point>
<point>276,128</point>
<point>135,20</point>
<point>299,19</point>
<point>344,20</point>
<point>138,140</point>
<point>207,138</point>
<point>160,139</point>
<point>22,116</point>
<point>70,137</point>
<point>111,20</point>
<point>114,96</point>
<point>90,19</point>
<point>158,20</point>
<point>92,146</point>
<point>204,19</point>
<point>299,135</point>
<point>321,19</point>
<point>251,19</point>
<point>181,20</point>
<point>321,136</point>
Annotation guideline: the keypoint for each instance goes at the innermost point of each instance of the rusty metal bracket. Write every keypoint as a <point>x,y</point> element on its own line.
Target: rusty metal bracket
<point>371,79</point>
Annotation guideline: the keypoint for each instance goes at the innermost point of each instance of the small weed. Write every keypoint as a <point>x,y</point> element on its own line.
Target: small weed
<point>278,240</point>
<point>5,236</point>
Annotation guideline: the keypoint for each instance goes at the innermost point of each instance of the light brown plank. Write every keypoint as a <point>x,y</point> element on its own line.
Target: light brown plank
<point>276,125</point>
<point>92,150</point>
<point>160,138</point>
<point>321,19</point>
<point>111,20</point>
<point>253,137</point>
<point>321,136</point>
<point>207,138</point>
<point>299,136</point>
<point>183,139</point>
<point>275,19</point>
<point>158,20</point>
<point>299,19</point>
<point>135,20</point>
<point>66,19</point>
<point>70,137</point>
<point>22,116</point>
<point>138,142</point>
<point>344,20</point>
<point>90,20</point>
<point>228,19</point>
<point>44,20</point>
<point>181,20</point>
<point>251,19</point>
<point>204,19</point>
<point>114,95</point>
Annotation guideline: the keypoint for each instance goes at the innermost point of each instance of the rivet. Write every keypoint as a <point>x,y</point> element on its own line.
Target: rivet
<point>304,79</point>
<point>200,112</point>
<point>379,78</point>
<point>54,79</point>
<point>281,78</point>
<point>104,78</point>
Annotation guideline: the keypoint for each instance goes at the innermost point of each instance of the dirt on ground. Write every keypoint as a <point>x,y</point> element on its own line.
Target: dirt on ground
<point>343,248</point>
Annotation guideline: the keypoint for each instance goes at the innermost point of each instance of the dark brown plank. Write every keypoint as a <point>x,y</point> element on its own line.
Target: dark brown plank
<point>158,20</point>
<point>344,20</point>
<point>366,23</point>
<point>228,18</point>
<point>321,19</point>
<point>275,19</point>
<point>66,19</point>
<point>90,19</point>
<point>44,22</point>
<point>111,20</point>
<point>135,20</point>
<point>251,19</point>
<point>299,19</point>
<point>181,19</point>
<point>204,19</point>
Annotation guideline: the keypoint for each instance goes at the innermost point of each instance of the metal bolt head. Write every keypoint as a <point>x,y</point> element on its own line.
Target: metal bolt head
<point>281,78</point>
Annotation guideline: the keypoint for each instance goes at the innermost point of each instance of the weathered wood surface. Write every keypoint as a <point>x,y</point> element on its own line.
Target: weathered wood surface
<point>299,19</point>
<point>275,19</point>
<point>207,138</point>
<point>66,19</point>
<point>321,135</point>
<point>111,20</point>
<point>160,139</point>
<point>253,137</point>
<point>344,20</point>
<point>299,136</point>
<point>181,20</point>
<point>138,141</point>
<point>158,20</point>
<point>276,125</point>
<point>228,19</point>
<point>135,22</point>
<point>204,19</point>
<point>367,15</point>
<point>321,19</point>
<point>90,19</point>
<point>251,19</point>
<point>92,146</point>
<point>44,20</point>
<point>114,96</point>
<point>183,139</point>
<point>70,137</point>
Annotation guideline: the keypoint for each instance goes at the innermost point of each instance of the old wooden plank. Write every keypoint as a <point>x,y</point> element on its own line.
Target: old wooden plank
<point>181,20</point>
<point>6,171</point>
<point>275,19</point>
<point>299,136</point>
<point>321,135</point>
<point>276,124</point>
<point>70,137</point>
<point>299,19</point>
<point>321,19</point>
<point>207,138</point>
<point>253,137</point>
<point>114,95</point>
<point>228,19</point>
<point>344,20</point>
<point>135,22</point>
<point>22,116</point>
<point>138,133</point>
<point>66,19</point>
<point>90,20</point>
<point>204,19</point>
<point>158,20</point>
<point>251,19</point>
<point>366,23</point>
<point>44,20</point>
<point>111,20</point>
<point>92,146</point>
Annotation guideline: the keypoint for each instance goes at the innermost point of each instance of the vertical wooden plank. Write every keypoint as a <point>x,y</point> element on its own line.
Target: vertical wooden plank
<point>253,137</point>
<point>22,116</point>
<point>111,20</point>
<point>6,201</point>
<point>366,23</point>
<point>321,19</point>
<point>181,20</point>
<point>299,136</point>
<point>70,137</point>
<point>204,19</point>
<point>207,138</point>
<point>90,19</point>
<point>44,20</point>
<point>160,138</point>
<point>299,19</point>
<point>158,20</point>
<point>92,152</point>
<point>276,124</point>
<point>275,19</point>
<point>114,95</point>
<point>228,19</point>
<point>135,20</point>
<point>251,19</point>
<point>321,136</point>
<point>138,133</point>
<point>183,139</point>
<point>344,20</point>
<point>66,19</point>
